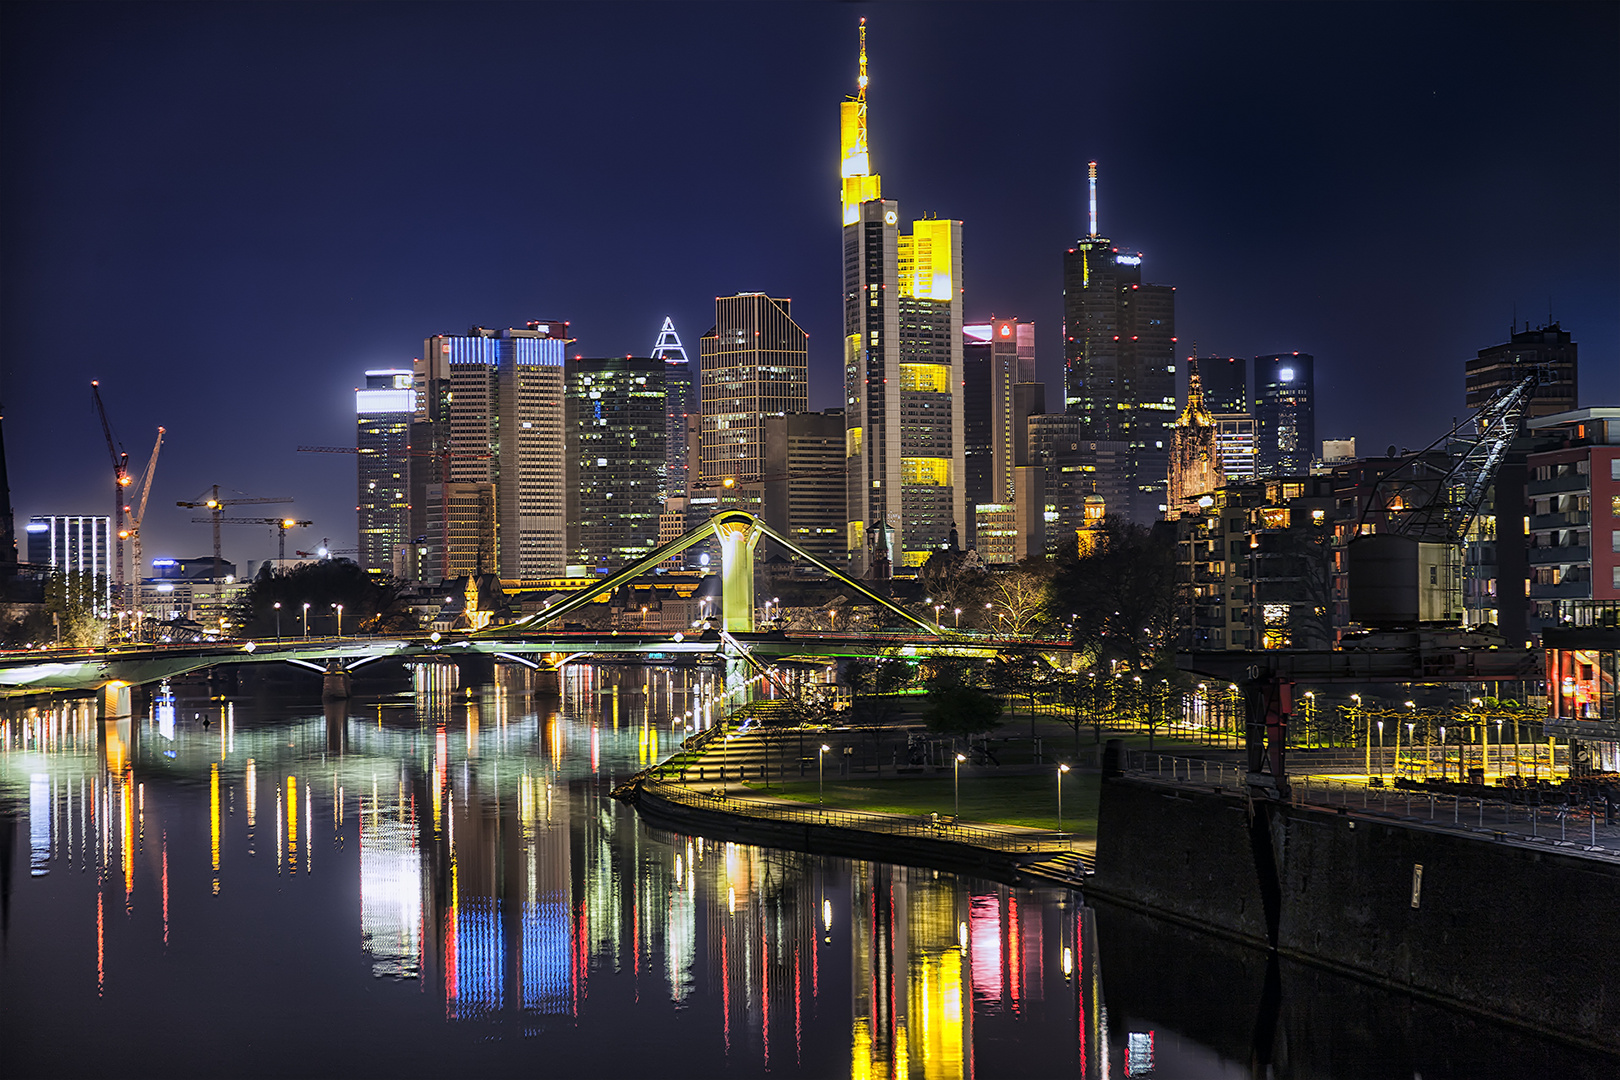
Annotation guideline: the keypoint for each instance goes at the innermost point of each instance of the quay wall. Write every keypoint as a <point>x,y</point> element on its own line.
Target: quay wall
<point>1517,931</point>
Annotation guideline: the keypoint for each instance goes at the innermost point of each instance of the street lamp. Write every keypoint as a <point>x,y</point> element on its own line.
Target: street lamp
<point>339,609</point>
<point>959,618</point>
<point>821,784</point>
<point>957,780</point>
<point>278,621</point>
<point>306,621</point>
<point>1061,769</point>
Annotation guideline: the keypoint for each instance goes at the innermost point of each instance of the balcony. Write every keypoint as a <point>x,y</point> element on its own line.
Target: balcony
<point>1555,555</point>
<point>1565,590</point>
<point>1567,482</point>
<point>1563,519</point>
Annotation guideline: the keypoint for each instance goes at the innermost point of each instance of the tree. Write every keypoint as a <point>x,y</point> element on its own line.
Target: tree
<point>320,585</point>
<point>872,685</point>
<point>952,580</point>
<point>956,705</point>
<point>1122,595</point>
<point>72,597</point>
<point>1022,596</point>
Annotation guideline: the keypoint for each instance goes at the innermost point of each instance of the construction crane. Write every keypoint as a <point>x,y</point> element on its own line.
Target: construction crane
<point>1408,570</point>
<point>214,504</point>
<point>140,507</point>
<point>325,552</point>
<point>120,464</point>
<point>281,524</point>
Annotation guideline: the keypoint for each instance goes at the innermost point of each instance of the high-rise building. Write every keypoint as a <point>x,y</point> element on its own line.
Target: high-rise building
<point>489,409</point>
<point>617,440</point>
<point>80,546</point>
<point>804,486</point>
<point>1285,408</point>
<point>977,425</point>
<point>461,521</point>
<point>902,366</point>
<point>1236,447</point>
<point>754,364</point>
<point>1078,471</point>
<point>680,402</point>
<point>1013,396</point>
<point>383,410</point>
<point>1195,463</point>
<point>1225,381</point>
<point>1119,338</point>
<point>1549,351</point>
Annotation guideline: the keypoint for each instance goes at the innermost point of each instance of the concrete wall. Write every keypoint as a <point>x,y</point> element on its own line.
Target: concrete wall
<point>1517,931</point>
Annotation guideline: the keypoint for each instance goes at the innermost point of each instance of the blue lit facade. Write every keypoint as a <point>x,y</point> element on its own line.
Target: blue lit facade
<point>1285,412</point>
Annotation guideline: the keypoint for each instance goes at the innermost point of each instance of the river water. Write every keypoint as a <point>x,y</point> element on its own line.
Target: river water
<point>434,881</point>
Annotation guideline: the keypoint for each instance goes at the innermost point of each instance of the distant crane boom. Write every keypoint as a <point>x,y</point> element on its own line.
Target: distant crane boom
<point>214,504</point>
<point>140,507</point>
<point>120,464</point>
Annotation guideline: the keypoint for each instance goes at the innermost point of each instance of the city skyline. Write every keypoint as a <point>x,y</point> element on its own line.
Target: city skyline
<point>249,255</point>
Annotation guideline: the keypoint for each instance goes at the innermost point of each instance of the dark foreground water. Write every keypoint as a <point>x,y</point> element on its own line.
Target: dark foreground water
<point>436,884</point>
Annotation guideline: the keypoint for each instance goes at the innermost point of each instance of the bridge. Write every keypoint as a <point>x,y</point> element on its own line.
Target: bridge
<point>532,643</point>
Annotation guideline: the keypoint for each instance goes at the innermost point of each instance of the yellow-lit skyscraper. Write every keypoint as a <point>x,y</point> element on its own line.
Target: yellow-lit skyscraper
<point>902,366</point>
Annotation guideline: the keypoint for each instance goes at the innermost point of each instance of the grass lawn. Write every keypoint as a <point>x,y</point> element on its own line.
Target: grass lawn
<point>1007,800</point>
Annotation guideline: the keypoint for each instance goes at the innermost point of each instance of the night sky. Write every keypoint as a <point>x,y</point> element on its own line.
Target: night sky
<point>227,213</point>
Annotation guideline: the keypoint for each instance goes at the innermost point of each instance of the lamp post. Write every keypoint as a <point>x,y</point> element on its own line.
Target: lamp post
<point>958,618</point>
<point>821,784</point>
<point>339,609</point>
<point>1381,747</point>
<point>1445,762</point>
<point>306,622</point>
<point>278,622</point>
<point>1061,769</point>
<point>957,782</point>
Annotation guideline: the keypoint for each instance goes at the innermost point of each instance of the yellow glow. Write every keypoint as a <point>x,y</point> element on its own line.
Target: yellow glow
<point>931,471</point>
<point>213,816</point>
<point>933,378</point>
<point>857,535</point>
<point>925,261</point>
<point>292,820</point>
<point>914,558</point>
<point>852,442</point>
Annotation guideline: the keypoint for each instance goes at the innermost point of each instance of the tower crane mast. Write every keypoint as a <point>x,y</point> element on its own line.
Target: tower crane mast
<point>140,507</point>
<point>120,464</point>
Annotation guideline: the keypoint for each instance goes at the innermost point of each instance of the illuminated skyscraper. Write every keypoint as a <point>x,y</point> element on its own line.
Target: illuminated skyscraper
<point>616,417</point>
<point>383,409</point>
<point>80,546</point>
<point>489,410</point>
<point>754,364</point>
<point>680,402</point>
<point>1285,408</point>
<point>1119,360</point>
<point>902,366</point>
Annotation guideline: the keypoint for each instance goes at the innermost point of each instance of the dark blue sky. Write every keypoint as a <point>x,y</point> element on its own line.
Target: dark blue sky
<point>226,213</point>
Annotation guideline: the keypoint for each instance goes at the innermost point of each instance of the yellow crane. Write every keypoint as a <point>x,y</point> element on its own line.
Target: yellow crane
<point>133,533</point>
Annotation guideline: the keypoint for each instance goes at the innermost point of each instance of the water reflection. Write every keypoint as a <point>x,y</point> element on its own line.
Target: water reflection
<point>445,885</point>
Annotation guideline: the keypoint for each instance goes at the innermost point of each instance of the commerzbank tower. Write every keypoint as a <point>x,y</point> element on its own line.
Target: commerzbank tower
<point>902,366</point>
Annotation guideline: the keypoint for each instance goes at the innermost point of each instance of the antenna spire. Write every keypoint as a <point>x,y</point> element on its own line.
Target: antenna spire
<point>860,80</point>
<point>1092,181</point>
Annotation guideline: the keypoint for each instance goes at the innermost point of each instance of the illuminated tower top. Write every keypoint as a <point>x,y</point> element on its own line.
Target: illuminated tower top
<point>1092,182</point>
<point>860,184</point>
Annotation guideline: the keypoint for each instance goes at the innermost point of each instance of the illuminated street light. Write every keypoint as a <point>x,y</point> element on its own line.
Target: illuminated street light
<point>957,770</point>
<point>339,609</point>
<point>306,622</point>
<point>821,788</point>
<point>278,622</point>
<point>1061,769</point>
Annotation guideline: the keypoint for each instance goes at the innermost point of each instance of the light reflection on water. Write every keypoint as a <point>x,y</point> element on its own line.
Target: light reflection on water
<point>437,881</point>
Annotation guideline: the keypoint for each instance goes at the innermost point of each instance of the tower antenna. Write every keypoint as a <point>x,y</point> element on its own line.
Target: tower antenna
<point>1092,181</point>
<point>860,80</point>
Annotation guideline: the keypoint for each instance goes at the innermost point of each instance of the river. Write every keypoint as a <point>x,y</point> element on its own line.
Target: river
<point>434,881</point>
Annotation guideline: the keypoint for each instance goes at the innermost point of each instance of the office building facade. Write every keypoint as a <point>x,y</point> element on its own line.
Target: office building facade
<point>753,364</point>
<point>1119,336</point>
<point>383,411</point>
<point>1285,413</point>
<point>804,488</point>
<point>1549,351</point>
<point>680,403</point>
<point>905,485</point>
<point>79,546</point>
<point>489,410</point>
<point>1225,381</point>
<point>617,446</point>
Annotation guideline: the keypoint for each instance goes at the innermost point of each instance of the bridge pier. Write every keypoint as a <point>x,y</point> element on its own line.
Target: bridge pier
<point>336,683</point>
<point>337,724</point>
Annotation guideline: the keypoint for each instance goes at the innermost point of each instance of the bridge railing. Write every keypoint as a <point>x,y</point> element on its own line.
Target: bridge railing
<point>930,827</point>
<point>1591,825</point>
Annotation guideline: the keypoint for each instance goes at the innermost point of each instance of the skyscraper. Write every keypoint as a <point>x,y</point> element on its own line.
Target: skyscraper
<point>383,410</point>
<point>753,365</point>
<point>80,546</point>
<point>1285,411</point>
<point>1551,351</point>
<point>680,402</point>
<point>804,486</point>
<point>617,416</point>
<point>1225,380</point>
<point>1119,360</point>
<point>489,409</point>
<point>902,366</point>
